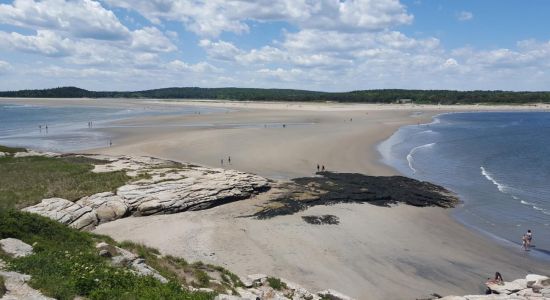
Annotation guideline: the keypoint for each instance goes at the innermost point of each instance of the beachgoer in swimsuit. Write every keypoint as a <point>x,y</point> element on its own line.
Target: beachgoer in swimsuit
<point>529,236</point>
<point>524,243</point>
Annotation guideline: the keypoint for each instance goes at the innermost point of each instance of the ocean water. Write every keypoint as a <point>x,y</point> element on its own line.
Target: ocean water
<point>498,163</point>
<point>25,125</point>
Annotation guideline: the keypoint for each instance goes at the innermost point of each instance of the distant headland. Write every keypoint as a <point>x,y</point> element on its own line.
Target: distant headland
<point>402,96</point>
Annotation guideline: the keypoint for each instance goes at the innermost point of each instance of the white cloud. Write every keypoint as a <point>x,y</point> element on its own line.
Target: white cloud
<point>220,50</point>
<point>201,67</point>
<point>211,18</point>
<point>44,42</point>
<point>79,18</point>
<point>464,16</point>
<point>150,39</point>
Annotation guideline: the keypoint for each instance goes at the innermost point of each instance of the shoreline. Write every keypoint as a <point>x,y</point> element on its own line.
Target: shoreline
<point>396,244</point>
<point>458,213</point>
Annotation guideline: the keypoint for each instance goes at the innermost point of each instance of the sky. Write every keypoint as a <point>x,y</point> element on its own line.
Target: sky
<point>326,45</point>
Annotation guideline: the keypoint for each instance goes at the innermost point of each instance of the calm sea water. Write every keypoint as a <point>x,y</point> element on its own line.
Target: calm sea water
<point>25,125</point>
<point>498,163</point>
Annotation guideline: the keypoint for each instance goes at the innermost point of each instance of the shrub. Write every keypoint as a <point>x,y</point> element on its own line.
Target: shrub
<point>276,283</point>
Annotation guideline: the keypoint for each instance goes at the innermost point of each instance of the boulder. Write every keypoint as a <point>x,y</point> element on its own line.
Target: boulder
<point>507,288</point>
<point>254,279</point>
<point>64,211</point>
<point>143,269</point>
<point>107,206</point>
<point>15,248</point>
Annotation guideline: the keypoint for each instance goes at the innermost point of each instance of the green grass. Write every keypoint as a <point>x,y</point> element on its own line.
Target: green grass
<point>2,287</point>
<point>65,264</point>
<point>24,181</point>
<point>276,283</point>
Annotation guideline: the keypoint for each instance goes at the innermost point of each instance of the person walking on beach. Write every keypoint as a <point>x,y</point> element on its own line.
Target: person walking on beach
<point>322,168</point>
<point>110,142</point>
<point>318,167</point>
<point>229,159</point>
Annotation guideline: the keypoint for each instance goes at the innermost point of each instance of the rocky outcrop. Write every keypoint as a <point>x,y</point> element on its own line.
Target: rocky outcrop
<point>165,187</point>
<point>124,258</point>
<point>107,206</point>
<point>532,287</point>
<point>257,286</point>
<point>15,248</point>
<point>329,188</point>
<point>189,189</point>
<point>66,212</point>
<point>34,153</point>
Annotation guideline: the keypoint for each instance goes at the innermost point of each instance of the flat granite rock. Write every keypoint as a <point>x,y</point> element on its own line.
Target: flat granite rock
<point>15,248</point>
<point>66,212</point>
<point>108,206</point>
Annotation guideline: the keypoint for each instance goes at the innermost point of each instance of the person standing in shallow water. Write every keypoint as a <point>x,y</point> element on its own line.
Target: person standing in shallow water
<point>229,159</point>
<point>524,243</point>
<point>323,168</point>
<point>318,167</point>
<point>529,237</point>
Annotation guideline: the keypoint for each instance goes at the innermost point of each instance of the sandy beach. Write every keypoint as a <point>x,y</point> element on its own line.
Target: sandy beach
<point>401,252</point>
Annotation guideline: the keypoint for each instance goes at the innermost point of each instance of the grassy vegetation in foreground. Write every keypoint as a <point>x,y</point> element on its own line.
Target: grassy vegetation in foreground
<point>24,181</point>
<point>66,264</point>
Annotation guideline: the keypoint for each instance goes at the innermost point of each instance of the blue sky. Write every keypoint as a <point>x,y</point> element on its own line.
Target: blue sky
<point>332,45</point>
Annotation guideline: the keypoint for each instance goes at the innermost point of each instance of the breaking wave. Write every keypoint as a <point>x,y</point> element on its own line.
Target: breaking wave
<point>413,151</point>
<point>489,176</point>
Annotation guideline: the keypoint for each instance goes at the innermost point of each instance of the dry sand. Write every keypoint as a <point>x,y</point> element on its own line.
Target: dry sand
<point>375,253</point>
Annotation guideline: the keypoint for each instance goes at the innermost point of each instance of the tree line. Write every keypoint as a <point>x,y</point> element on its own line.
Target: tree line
<point>256,94</point>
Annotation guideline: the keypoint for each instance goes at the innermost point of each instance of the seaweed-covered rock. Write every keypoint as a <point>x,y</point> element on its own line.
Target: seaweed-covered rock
<point>331,188</point>
<point>322,220</point>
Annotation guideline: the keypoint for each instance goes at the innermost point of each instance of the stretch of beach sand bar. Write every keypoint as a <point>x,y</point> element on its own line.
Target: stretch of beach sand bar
<point>375,253</point>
